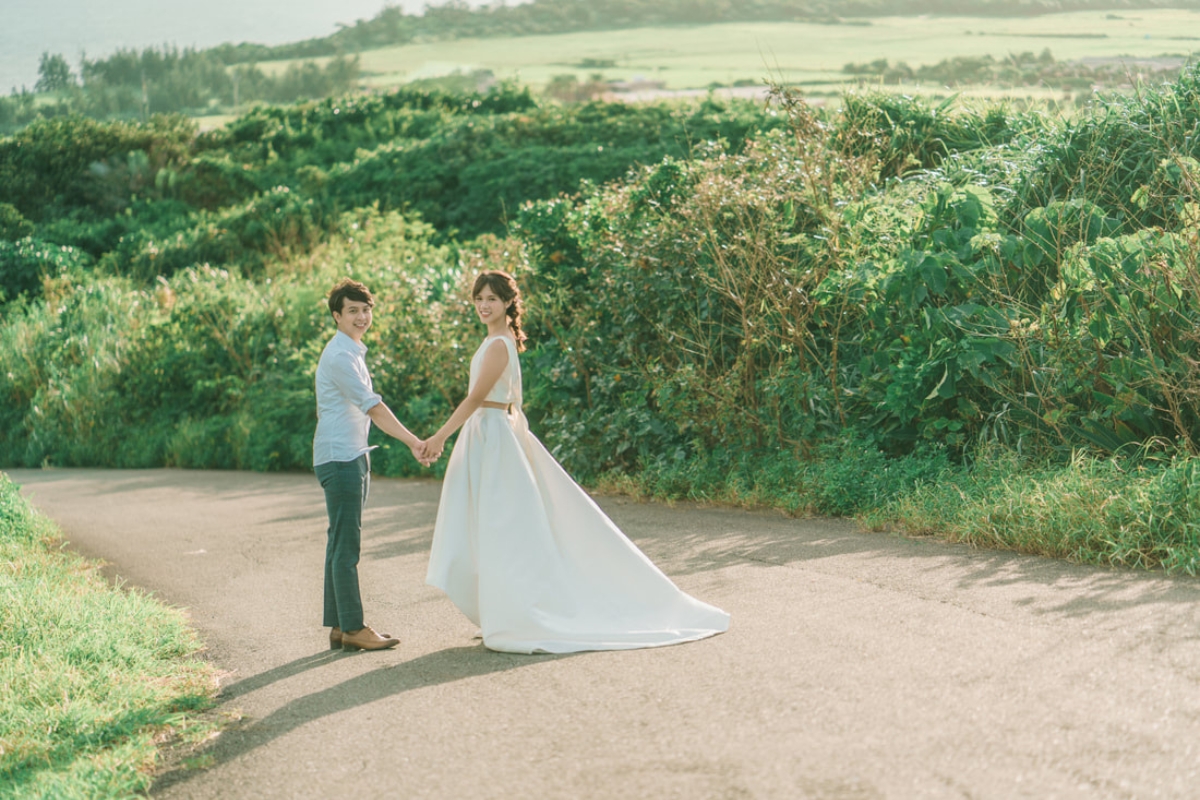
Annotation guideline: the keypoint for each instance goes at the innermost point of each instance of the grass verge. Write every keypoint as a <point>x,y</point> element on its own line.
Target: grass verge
<point>1138,513</point>
<point>95,680</point>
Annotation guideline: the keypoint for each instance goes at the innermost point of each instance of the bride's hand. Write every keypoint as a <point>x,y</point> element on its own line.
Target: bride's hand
<point>418,451</point>
<point>433,448</point>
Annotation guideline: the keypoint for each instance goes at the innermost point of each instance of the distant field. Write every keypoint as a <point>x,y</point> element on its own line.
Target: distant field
<point>809,54</point>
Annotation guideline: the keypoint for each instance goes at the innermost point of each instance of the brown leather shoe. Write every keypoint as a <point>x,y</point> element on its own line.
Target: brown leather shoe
<point>367,639</point>
<point>335,638</point>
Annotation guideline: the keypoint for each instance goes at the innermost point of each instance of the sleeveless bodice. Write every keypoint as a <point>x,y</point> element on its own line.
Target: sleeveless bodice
<point>508,387</point>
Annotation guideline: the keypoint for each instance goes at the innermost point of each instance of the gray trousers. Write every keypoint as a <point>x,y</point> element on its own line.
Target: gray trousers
<point>346,484</point>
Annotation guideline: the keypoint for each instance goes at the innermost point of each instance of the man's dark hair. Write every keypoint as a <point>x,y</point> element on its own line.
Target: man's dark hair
<point>348,289</point>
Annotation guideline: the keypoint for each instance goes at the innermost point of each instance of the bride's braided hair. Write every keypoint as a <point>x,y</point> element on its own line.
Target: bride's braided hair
<point>506,289</point>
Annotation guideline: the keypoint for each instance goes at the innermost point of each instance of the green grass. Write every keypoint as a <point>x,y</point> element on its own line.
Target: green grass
<point>1098,511</point>
<point>94,679</point>
<point>1136,514</point>
<point>811,54</point>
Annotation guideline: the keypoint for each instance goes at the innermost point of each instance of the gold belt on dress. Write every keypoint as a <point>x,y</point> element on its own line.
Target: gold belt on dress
<point>501,406</point>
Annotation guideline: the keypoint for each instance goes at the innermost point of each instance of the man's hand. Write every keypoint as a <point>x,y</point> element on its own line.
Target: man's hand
<point>431,450</point>
<point>418,451</point>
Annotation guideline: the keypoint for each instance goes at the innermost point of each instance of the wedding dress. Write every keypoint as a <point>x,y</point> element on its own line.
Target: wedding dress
<point>531,559</point>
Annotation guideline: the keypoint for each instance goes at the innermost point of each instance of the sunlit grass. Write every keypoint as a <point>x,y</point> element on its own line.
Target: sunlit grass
<point>1091,510</point>
<point>802,53</point>
<point>93,679</point>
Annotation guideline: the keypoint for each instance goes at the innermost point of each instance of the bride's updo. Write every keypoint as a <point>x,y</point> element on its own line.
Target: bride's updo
<point>506,289</point>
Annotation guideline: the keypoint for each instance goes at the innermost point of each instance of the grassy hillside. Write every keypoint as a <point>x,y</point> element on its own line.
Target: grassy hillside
<point>793,52</point>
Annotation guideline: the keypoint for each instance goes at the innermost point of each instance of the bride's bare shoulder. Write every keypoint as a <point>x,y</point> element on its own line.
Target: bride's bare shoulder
<point>497,345</point>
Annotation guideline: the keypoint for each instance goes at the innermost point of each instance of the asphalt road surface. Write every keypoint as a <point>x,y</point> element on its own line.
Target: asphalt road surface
<point>857,665</point>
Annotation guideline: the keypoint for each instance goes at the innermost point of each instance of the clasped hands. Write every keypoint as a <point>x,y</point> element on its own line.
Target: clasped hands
<point>427,451</point>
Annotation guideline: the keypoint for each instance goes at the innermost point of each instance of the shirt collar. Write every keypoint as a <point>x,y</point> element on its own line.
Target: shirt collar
<point>347,341</point>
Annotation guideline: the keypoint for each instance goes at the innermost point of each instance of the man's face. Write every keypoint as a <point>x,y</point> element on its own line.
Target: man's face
<point>354,319</point>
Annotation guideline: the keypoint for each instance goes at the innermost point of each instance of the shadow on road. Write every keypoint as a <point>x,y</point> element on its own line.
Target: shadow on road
<point>432,669</point>
<point>282,672</point>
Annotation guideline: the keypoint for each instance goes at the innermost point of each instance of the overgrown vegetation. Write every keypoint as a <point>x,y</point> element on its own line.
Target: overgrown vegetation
<point>1125,512</point>
<point>93,679</point>
<point>827,312</point>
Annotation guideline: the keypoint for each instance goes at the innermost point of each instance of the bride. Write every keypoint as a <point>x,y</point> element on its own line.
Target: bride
<point>518,546</point>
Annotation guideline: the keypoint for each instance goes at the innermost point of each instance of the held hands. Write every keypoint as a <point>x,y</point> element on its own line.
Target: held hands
<point>419,453</point>
<point>431,450</point>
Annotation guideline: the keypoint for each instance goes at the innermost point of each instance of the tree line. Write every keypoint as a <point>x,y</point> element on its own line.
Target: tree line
<point>134,84</point>
<point>1022,69</point>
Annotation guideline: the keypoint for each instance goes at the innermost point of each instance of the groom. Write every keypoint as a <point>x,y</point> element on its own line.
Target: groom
<point>346,407</point>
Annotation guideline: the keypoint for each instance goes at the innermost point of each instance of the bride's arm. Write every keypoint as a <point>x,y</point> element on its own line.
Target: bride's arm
<point>495,360</point>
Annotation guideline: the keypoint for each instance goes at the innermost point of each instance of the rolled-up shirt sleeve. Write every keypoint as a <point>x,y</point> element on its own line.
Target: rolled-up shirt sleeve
<point>351,377</point>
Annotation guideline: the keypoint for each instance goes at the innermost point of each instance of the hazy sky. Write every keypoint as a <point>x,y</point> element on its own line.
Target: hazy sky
<point>30,27</point>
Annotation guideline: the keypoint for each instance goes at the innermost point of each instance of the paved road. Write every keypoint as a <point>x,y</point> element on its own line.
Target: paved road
<point>857,665</point>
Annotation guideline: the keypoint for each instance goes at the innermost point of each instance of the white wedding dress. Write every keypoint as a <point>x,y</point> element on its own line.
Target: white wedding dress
<point>527,556</point>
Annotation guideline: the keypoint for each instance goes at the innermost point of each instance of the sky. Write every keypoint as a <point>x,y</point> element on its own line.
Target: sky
<point>98,27</point>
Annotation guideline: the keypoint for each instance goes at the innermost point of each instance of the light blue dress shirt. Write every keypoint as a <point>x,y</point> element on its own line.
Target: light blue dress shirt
<point>344,396</point>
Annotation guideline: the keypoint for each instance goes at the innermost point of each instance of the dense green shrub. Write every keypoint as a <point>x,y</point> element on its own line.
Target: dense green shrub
<point>53,165</point>
<point>908,133</point>
<point>25,263</point>
<point>774,297</point>
<point>844,476</point>
<point>210,369</point>
<point>151,199</point>
<point>1134,157</point>
<point>245,237</point>
<point>329,131</point>
<point>97,234</point>
<point>761,299</point>
<point>467,165</point>
<point>12,224</point>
